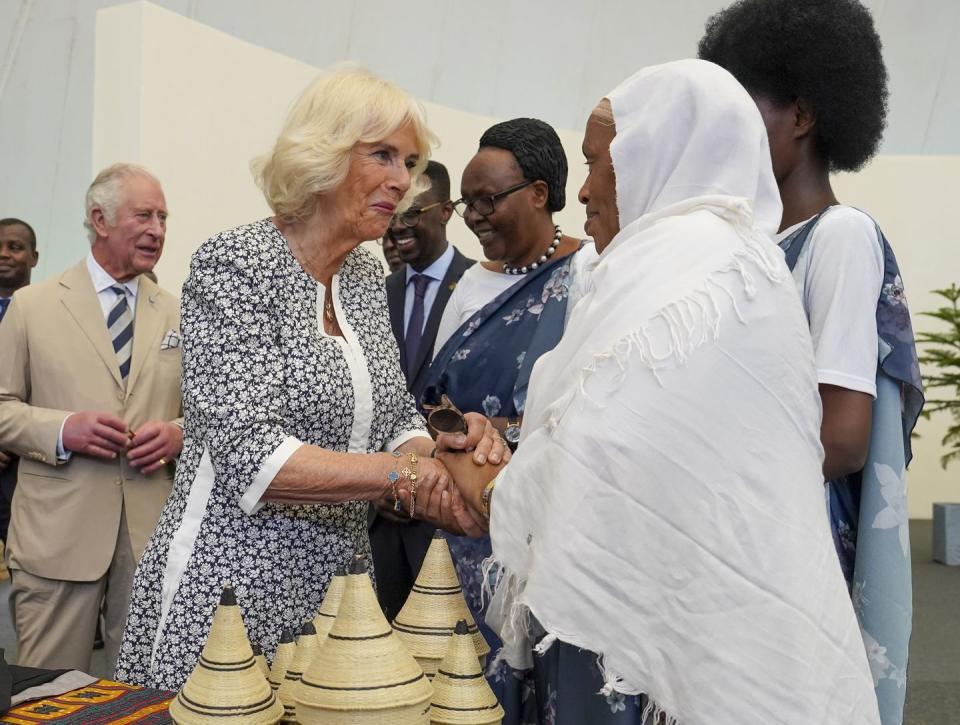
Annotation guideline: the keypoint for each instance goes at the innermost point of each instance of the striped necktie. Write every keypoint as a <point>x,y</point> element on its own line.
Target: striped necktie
<point>120,327</point>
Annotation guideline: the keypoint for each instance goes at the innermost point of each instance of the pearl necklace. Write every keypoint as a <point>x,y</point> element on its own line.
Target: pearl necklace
<point>557,235</point>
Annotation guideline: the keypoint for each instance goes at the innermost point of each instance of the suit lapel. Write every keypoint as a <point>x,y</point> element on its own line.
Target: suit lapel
<point>80,299</point>
<point>146,328</point>
<point>396,297</point>
<point>458,265</point>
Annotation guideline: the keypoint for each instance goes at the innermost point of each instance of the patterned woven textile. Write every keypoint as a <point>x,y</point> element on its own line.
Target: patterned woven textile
<point>102,703</point>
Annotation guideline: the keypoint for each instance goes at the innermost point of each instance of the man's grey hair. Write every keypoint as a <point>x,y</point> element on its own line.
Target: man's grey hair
<point>106,193</point>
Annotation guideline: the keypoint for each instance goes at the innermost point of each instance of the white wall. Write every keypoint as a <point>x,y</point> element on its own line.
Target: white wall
<point>208,103</point>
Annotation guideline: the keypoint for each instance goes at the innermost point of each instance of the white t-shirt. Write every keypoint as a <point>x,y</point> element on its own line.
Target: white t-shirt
<point>476,287</point>
<point>840,275</point>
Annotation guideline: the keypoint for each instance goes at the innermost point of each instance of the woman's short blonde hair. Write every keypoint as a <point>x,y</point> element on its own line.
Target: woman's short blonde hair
<point>342,107</point>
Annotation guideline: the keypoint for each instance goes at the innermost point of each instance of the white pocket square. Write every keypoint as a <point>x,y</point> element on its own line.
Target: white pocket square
<point>171,340</point>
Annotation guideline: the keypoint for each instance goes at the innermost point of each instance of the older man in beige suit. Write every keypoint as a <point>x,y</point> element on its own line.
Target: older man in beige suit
<point>90,400</point>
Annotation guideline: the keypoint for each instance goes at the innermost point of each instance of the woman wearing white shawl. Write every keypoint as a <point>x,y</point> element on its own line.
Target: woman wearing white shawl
<point>666,507</point>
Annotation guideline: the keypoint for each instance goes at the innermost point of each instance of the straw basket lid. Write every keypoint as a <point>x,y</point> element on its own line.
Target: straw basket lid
<point>331,604</point>
<point>307,644</point>
<point>261,660</point>
<point>461,695</point>
<point>363,666</point>
<point>433,608</point>
<point>281,660</point>
<point>226,686</point>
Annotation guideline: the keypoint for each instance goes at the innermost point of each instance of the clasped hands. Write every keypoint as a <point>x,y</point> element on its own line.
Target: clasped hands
<point>451,484</point>
<point>104,435</point>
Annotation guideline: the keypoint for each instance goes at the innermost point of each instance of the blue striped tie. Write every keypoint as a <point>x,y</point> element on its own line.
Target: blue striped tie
<point>120,327</point>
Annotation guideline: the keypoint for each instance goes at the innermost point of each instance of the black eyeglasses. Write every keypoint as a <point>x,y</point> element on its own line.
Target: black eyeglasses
<point>486,205</point>
<point>411,217</point>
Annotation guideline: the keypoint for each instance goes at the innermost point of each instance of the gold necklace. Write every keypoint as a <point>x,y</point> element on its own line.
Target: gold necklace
<point>328,309</point>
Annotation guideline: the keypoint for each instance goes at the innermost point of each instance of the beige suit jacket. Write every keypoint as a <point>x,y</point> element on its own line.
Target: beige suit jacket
<point>56,358</point>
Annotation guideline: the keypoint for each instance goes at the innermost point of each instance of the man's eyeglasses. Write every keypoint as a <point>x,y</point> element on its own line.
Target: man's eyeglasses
<point>411,217</point>
<point>486,205</point>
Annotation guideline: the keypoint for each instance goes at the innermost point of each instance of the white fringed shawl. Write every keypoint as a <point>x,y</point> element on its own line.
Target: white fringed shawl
<point>665,508</point>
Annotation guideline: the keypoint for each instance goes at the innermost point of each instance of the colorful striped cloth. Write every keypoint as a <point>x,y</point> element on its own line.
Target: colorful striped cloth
<point>102,703</point>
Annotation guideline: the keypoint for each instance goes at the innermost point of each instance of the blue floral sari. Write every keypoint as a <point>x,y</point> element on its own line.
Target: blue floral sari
<point>868,510</point>
<point>485,367</point>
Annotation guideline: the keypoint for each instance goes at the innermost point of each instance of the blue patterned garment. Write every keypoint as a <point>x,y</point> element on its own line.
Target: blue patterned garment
<point>485,367</point>
<point>868,510</point>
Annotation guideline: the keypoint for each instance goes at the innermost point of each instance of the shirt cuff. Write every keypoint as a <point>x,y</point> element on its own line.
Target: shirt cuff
<point>63,455</point>
<point>250,503</point>
<point>403,438</point>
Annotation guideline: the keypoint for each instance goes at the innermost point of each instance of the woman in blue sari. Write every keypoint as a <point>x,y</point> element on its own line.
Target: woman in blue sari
<point>816,72</point>
<point>505,313</point>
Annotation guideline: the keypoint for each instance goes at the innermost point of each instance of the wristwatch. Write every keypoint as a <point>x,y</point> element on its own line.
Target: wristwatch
<point>511,434</point>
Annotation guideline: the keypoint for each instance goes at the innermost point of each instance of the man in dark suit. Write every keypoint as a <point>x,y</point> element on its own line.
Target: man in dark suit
<point>416,295</point>
<point>18,257</point>
<point>418,292</point>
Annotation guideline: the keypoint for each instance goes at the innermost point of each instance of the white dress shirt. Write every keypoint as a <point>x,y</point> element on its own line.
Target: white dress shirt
<point>102,282</point>
<point>436,272</point>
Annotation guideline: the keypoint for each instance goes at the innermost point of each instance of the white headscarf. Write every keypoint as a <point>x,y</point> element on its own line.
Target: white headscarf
<point>665,508</point>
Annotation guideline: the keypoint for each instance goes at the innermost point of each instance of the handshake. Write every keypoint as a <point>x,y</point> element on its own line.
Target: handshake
<point>452,484</point>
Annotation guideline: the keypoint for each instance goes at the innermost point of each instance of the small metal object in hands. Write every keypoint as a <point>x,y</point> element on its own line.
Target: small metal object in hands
<point>445,418</point>
<point>131,435</point>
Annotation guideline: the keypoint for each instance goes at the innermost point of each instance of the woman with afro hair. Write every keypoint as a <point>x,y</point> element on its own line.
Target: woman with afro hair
<point>816,72</point>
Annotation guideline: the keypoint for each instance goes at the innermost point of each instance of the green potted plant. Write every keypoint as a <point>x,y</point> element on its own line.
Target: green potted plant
<point>941,355</point>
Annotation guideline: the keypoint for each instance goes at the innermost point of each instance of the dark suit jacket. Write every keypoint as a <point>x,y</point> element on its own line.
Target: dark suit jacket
<point>8,482</point>
<point>416,370</point>
<point>399,548</point>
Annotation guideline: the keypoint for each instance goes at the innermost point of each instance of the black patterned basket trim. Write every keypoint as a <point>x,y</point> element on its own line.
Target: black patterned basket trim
<point>225,710</point>
<point>370,688</point>
<point>494,706</point>
<point>455,676</point>
<point>419,629</point>
<point>359,639</point>
<point>436,591</point>
<point>226,666</point>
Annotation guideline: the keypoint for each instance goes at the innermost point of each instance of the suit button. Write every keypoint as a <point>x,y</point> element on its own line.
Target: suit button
<point>118,481</point>
<point>120,396</point>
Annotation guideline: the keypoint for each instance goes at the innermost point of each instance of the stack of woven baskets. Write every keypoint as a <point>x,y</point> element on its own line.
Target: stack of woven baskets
<point>227,685</point>
<point>433,608</point>
<point>363,673</point>
<point>349,666</point>
<point>461,695</point>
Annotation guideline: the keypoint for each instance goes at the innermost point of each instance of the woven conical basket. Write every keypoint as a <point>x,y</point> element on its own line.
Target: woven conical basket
<point>282,658</point>
<point>307,644</point>
<point>461,695</point>
<point>261,660</point>
<point>433,608</point>
<point>331,604</point>
<point>226,686</point>
<point>362,674</point>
